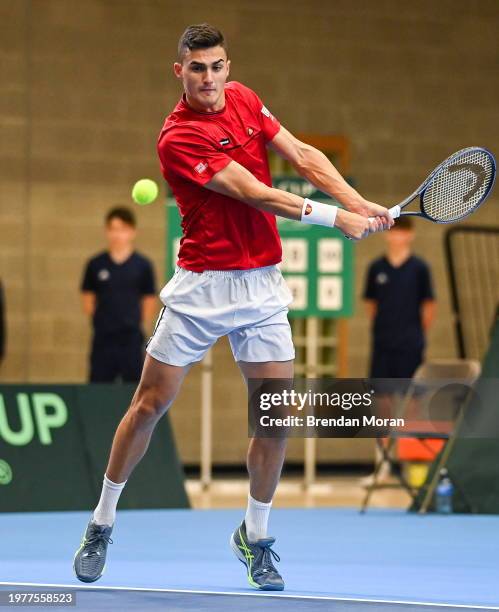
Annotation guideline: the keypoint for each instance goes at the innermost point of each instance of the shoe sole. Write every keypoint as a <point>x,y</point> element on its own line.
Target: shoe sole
<point>242,559</point>
<point>80,578</point>
<point>87,580</point>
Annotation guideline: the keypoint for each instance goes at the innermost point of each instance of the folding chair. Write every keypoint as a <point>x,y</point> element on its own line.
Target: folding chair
<point>426,388</point>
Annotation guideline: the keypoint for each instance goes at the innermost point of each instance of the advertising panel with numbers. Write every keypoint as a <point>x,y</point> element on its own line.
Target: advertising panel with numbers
<point>317,264</point>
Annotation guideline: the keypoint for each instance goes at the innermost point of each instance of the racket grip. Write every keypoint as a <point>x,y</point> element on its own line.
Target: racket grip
<point>394,212</point>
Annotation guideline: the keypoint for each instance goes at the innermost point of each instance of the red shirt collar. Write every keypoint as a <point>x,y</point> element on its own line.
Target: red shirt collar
<point>185,106</point>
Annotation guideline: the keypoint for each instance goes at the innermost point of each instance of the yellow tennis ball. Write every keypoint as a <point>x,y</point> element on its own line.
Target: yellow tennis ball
<point>144,191</point>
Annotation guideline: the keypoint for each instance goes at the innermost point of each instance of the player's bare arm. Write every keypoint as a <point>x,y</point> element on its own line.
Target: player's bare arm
<point>428,313</point>
<point>148,307</point>
<point>371,308</point>
<point>237,182</point>
<point>88,302</point>
<point>315,167</point>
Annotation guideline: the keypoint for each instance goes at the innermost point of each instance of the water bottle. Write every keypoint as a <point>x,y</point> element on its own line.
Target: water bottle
<point>444,493</point>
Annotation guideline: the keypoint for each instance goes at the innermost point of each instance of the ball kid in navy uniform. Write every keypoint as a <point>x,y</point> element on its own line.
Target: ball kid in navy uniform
<point>118,293</point>
<point>401,305</point>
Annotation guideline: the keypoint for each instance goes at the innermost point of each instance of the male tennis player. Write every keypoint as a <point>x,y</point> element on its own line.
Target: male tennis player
<point>212,150</point>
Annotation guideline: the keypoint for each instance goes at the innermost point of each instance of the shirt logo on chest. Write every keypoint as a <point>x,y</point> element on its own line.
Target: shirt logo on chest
<point>224,141</point>
<point>103,274</point>
<point>381,278</point>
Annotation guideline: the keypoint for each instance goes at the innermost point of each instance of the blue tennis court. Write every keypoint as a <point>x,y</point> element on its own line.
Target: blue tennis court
<point>332,559</point>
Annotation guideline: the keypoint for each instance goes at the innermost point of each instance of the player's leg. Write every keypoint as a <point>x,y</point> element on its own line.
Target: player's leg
<point>158,386</point>
<point>155,393</point>
<point>180,338</point>
<point>263,348</point>
<point>265,459</point>
<point>265,455</point>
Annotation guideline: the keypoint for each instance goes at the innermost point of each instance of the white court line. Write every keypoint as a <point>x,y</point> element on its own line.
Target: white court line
<point>250,594</point>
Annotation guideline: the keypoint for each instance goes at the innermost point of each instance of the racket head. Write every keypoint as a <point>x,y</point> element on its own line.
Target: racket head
<point>458,186</point>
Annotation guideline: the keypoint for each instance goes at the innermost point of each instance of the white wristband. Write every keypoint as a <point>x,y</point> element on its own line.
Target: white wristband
<point>317,213</point>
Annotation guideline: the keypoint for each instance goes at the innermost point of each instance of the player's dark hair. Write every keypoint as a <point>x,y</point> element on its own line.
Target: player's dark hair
<point>123,214</point>
<point>403,223</point>
<point>200,36</point>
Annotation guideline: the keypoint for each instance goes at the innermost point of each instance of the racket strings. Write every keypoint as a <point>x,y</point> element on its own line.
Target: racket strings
<point>459,186</point>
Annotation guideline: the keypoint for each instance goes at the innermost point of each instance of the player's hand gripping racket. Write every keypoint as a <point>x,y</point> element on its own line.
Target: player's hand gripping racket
<point>455,189</point>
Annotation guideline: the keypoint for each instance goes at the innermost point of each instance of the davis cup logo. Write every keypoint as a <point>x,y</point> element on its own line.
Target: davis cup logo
<point>5,472</point>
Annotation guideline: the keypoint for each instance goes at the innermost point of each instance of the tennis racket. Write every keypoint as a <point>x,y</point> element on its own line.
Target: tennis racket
<point>455,189</point>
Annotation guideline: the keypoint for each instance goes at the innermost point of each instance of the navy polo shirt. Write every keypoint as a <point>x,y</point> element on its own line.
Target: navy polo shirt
<point>399,293</point>
<point>119,289</point>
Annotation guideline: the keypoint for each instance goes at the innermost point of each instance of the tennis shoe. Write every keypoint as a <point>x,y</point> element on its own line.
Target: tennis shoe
<point>90,558</point>
<point>257,557</point>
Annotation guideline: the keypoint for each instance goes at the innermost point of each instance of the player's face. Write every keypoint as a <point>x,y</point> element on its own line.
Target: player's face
<point>119,234</point>
<point>203,73</point>
<point>399,238</point>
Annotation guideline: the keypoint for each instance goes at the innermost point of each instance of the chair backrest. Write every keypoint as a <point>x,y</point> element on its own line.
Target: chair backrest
<point>430,382</point>
<point>465,370</point>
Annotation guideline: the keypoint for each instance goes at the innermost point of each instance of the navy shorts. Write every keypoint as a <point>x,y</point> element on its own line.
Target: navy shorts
<point>387,363</point>
<point>111,361</point>
<point>390,364</point>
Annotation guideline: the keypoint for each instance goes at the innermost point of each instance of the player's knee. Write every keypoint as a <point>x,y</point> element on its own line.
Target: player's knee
<point>268,445</point>
<point>148,404</point>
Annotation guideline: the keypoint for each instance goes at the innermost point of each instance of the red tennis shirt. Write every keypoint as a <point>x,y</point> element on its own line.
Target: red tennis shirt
<point>220,233</point>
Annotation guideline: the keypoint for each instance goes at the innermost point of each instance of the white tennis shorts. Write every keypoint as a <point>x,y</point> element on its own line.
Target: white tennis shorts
<point>248,306</point>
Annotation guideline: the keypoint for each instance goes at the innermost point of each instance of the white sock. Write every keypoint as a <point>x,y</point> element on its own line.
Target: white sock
<point>105,513</point>
<point>257,518</point>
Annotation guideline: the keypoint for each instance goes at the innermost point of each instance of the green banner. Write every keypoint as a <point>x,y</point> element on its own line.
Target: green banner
<point>54,447</point>
<point>173,236</point>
